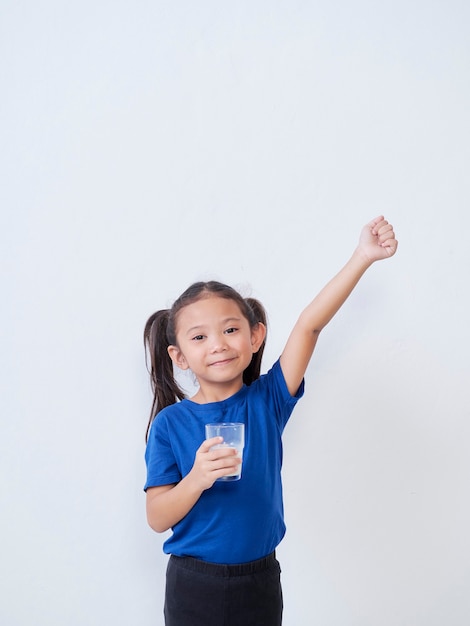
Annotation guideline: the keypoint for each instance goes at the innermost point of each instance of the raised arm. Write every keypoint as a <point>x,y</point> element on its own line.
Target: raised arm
<point>377,241</point>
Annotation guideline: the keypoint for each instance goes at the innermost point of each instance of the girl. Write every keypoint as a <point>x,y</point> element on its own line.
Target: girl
<point>222,570</point>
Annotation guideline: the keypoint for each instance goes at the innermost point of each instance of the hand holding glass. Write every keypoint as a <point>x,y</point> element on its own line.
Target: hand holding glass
<point>233,435</point>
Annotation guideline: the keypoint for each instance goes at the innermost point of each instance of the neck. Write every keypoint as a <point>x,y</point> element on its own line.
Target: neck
<point>216,393</point>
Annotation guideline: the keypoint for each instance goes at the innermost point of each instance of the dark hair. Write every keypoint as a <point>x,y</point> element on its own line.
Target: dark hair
<point>160,332</point>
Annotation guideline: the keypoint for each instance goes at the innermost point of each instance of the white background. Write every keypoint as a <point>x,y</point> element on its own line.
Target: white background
<point>148,144</point>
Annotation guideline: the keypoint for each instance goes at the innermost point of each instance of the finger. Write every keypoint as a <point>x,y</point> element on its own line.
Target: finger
<point>390,246</point>
<point>376,220</point>
<point>208,443</point>
<point>373,223</point>
<point>386,232</point>
<point>222,468</point>
<point>383,226</point>
<point>379,223</point>
<point>226,461</point>
<point>226,471</point>
<point>222,453</point>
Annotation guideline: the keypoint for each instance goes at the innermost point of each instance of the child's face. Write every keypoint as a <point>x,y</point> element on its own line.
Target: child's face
<point>215,341</point>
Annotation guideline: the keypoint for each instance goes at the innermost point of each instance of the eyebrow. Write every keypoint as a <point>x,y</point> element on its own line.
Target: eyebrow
<point>225,321</point>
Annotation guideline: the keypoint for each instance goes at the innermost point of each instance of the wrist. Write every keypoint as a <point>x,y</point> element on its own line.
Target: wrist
<point>361,259</point>
<point>192,484</point>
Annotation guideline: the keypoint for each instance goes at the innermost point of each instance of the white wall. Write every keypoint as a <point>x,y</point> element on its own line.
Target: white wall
<point>145,145</point>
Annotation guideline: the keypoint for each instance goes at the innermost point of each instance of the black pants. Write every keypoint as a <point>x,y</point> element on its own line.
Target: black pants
<point>207,594</point>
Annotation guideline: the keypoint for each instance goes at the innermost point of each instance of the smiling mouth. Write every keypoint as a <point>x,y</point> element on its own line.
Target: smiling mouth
<point>221,362</point>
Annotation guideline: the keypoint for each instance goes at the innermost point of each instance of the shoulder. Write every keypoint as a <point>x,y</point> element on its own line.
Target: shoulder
<point>273,385</point>
<point>174,411</point>
<point>169,416</point>
<point>273,378</point>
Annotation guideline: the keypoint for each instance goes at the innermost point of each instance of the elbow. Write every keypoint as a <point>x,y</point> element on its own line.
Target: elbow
<point>157,525</point>
<point>155,519</point>
<point>158,517</point>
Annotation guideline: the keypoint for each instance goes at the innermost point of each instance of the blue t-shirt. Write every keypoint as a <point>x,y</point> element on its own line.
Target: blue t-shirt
<point>238,521</point>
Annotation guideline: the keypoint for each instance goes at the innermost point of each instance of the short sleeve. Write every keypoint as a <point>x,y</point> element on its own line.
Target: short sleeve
<point>160,460</point>
<point>275,390</point>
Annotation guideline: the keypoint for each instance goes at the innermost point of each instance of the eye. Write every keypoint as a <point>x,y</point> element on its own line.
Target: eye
<point>198,338</point>
<point>231,330</point>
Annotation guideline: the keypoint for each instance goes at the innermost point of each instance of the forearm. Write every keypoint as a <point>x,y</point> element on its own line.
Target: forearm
<point>167,506</point>
<point>331,298</point>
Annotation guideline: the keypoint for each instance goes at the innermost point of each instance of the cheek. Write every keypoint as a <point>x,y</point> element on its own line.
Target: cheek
<point>247,345</point>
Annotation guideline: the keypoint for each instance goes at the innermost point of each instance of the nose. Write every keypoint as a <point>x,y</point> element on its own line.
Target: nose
<point>218,344</point>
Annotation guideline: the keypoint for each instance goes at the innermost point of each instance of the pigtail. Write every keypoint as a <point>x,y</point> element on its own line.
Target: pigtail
<point>258,311</point>
<point>159,365</point>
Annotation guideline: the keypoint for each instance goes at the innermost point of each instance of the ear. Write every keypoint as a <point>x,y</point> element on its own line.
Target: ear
<point>177,357</point>
<point>258,335</point>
